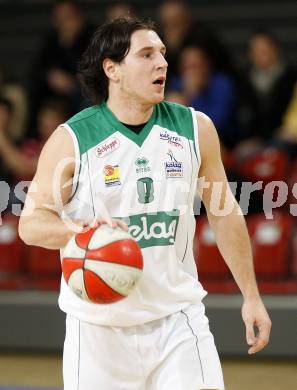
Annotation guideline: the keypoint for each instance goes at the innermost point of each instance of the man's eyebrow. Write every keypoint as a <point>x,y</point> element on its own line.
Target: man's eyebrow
<point>162,48</point>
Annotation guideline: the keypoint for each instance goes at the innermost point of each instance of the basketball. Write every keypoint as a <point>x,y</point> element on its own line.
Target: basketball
<point>102,265</point>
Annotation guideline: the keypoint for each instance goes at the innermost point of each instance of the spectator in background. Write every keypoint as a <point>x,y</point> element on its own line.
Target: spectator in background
<point>286,137</point>
<point>288,129</point>
<point>270,84</point>
<point>21,161</point>
<point>179,30</point>
<point>118,9</point>
<point>17,99</point>
<point>206,90</point>
<point>55,67</point>
<point>6,114</point>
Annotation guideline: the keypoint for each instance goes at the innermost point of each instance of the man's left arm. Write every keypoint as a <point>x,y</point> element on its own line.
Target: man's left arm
<point>231,233</point>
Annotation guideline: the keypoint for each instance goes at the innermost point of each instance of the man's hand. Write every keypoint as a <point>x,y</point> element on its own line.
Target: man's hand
<point>114,223</point>
<point>80,226</point>
<point>254,314</point>
<point>60,81</point>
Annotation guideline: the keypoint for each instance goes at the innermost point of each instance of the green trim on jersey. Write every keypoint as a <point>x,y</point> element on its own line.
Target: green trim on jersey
<point>176,117</point>
<point>93,125</point>
<point>171,116</point>
<point>90,127</point>
<point>138,138</point>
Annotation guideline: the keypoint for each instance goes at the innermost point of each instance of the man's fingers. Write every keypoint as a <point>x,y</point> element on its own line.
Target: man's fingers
<point>262,339</point>
<point>250,333</point>
<point>122,225</point>
<point>114,223</point>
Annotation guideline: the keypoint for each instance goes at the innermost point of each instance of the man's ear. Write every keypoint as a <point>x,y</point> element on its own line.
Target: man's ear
<point>111,69</point>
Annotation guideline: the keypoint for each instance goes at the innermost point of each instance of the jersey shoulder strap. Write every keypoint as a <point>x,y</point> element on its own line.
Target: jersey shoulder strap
<point>90,126</point>
<point>176,117</point>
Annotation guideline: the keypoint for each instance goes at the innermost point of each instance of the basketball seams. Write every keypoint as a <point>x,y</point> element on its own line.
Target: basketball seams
<point>106,235</point>
<point>115,278</point>
<point>103,282</point>
<point>112,262</point>
<point>83,268</point>
<point>75,240</point>
<point>83,265</point>
<point>89,239</point>
<point>112,253</point>
<point>70,265</point>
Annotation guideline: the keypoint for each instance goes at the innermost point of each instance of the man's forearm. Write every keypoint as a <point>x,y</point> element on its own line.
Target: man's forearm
<point>234,244</point>
<point>46,229</point>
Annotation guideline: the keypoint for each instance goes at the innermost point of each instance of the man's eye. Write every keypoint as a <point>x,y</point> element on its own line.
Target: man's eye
<point>147,55</point>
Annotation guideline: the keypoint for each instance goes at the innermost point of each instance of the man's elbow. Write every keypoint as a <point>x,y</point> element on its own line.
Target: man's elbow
<point>25,232</point>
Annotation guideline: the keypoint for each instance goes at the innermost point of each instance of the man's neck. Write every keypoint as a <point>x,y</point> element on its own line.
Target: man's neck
<point>130,111</point>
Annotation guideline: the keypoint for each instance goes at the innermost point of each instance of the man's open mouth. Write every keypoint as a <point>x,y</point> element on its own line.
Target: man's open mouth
<point>159,81</point>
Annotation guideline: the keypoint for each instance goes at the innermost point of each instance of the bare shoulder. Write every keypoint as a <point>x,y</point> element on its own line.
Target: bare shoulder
<point>60,142</point>
<point>208,136</point>
<point>59,149</point>
<point>55,167</point>
<point>206,128</point>
<point>58,146</point>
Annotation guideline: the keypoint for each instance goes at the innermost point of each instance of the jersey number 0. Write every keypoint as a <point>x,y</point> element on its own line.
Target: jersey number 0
<point>145,190</point>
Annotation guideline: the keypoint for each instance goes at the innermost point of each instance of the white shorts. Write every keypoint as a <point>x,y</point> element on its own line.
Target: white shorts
<point>174,353</point>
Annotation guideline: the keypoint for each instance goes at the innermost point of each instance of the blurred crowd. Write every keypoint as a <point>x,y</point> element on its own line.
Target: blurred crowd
<point>254,109</point>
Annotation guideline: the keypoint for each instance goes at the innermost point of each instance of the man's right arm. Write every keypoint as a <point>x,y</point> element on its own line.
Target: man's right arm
<point>40,223</point>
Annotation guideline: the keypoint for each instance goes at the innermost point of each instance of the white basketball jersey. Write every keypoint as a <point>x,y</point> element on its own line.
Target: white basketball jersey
<point>148,180</point>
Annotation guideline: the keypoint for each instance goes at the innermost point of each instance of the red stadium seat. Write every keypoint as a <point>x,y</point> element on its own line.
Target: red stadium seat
<point>292,180</point>
<point>266,165</point>
<point>272,243</point>
<point>38,282</point>
<point>43,262</point>
<point>11,246</point>
<point>293,268</point>
<point>207,256</point>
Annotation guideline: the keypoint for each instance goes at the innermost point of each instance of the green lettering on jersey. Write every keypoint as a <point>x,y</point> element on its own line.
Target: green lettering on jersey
<point>154,229</point>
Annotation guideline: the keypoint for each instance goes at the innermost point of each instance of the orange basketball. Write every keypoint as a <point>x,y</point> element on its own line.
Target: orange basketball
<point>102,265</point>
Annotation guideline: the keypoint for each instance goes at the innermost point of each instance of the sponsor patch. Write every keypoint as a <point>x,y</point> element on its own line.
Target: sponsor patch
<point>156,229</point>
<point>112,175</point>
<point>106,147</point>
<point>173,168</point>
<point>142,165</point>
<point>172,140</point>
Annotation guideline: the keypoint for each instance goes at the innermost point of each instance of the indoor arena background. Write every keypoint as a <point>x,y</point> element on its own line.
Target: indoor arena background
<point>241,60</point>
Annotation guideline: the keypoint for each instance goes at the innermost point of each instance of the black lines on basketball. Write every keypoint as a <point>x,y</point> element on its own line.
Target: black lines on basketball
<point>98,290</point>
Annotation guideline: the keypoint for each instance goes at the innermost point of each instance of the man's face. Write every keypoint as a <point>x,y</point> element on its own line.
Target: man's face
<point>67,18</point>
<point>173,14</point>
<point>195,67</point>
<point>142,73</point>
<point>263,53</point>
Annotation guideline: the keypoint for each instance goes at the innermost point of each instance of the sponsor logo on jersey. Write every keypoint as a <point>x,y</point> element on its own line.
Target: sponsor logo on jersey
<point>173,168</point>
<point>155,229</point>
<point>172,140</point>
<point>107,146</point>
<point>111,175</point>
<point>142,165</point>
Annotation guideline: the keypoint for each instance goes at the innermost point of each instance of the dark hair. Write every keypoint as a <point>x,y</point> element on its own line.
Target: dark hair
<point>7,103</point>
<point>74,3</point>
<point>269,35</point>
<point>111,40</point>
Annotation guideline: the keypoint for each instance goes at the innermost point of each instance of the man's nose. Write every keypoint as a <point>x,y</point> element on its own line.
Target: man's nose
<point>162,63</point>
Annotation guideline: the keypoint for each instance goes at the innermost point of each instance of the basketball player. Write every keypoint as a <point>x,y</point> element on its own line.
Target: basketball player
<point>137,158</point>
